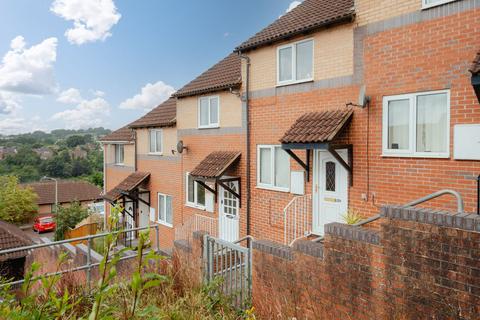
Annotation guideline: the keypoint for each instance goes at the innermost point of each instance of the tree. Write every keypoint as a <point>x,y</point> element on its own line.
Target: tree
<point>75,140</point>
<point>17,204</point>
<point>68,217</point>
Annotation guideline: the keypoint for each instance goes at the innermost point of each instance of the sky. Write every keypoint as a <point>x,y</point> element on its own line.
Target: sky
<point>72,64</point>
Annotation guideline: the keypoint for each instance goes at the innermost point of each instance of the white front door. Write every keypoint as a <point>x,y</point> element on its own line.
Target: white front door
<point>229,213</point>
<point>330,190</point>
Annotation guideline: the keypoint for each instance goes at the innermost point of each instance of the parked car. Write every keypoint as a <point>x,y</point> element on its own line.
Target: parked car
<point>44,224</point>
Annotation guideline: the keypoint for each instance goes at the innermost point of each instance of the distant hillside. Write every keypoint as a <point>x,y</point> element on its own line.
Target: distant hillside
<point>61,153</point>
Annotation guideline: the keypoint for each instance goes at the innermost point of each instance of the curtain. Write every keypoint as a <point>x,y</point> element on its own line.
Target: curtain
<point>265,165</point>
<point>398,124</point>
<point>282,168</point>
<point>285,64</point>
<point>304,60</point>
<point>432,123</point>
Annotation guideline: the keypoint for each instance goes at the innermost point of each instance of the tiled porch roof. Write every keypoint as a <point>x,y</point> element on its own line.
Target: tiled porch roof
<point>127,185</point>
<point>215,164</point>
<point>317,127</point>
<point>12,237</point>
<point>475,68</point>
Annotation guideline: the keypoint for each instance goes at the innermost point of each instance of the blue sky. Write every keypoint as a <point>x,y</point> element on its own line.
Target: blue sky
<point>84,63</point>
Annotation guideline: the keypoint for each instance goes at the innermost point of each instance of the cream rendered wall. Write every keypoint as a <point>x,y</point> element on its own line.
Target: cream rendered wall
<point>230,110</point>
<point>368,11</point>
<point>333,57</point>
<point>169,140</point>
<point>129,154</point>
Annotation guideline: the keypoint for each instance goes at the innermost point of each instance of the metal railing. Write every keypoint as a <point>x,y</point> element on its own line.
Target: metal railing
<point>196,223</point>
<point>297,218</point>
<point>88,266</point>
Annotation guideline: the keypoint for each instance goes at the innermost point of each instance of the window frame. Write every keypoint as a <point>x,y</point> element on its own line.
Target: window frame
<point>271,186</point>
<point>115,148</point>
<point>412,139</point>
<point>210,125</point>
<point>425,5</point>
<point>164,222</point>
<point>156,152</point>
<point>193,204</point>
<point>294,79</point>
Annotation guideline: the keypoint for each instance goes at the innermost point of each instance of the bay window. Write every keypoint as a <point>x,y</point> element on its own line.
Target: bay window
<point>273,168</point>
<point>208,112</point>
<point>295,62</point>
<point>417,124</point>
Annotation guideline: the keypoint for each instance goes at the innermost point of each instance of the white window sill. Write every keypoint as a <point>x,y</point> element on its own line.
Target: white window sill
<point>209,127</point>
<point>287,83</point>
<point>166,224</point>
<point>436,4</point>
<point>416,155</point>
<point>271,188</point>
<point>155,153</point>
<point>192,205</point>
<point>119,164</point>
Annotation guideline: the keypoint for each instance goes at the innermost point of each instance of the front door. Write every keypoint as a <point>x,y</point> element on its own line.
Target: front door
<point>330,190</point>
<point>229,213</point>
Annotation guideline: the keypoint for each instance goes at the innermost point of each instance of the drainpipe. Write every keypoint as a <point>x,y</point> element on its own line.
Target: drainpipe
<point>478,194</point>
<point>134,134</point>
<point>247,116</point>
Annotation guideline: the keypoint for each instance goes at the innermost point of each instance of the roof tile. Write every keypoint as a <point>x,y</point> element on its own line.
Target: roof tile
<point>123,134</point>
<point>317,127</point>
<point>163,115</point>
<point>308,16</point>
<point>475,68</point>
<point>127,185</point>
<point>68,191</point>
<point>215,164</point>
<point>12,237</point>
<point>223,75</point>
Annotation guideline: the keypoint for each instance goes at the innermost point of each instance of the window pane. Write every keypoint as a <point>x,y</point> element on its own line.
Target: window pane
<point>282,168</point>
<point>200,195</point>
<point>330,176</point>
<point>158,141</point>
<point>169,213</point>
<point>121,153</point>
<point>161,207</point>
<point>213,110</point>
<point>305,60</point>
<point>285,64</point>
<point>203,112</point>
<point>432,127</point>
<point>398,124</point>
<point>265,165</point>
<point>190,189</point>
<point>152,141</point>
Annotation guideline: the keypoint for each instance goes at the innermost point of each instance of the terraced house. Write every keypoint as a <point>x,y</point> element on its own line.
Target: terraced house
<point>336,106</point>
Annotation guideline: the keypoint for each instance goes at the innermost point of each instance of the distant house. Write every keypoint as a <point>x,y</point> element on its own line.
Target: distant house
<point>68,192</point>
<point>44,153</point>
<point>79,153</point>
<point>12,265</point>
<point>5,151</point>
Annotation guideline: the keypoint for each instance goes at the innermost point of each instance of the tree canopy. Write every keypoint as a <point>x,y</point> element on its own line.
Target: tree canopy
<point>17,204</point>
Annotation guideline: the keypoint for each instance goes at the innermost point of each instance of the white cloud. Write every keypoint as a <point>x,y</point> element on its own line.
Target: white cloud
<point>29,70</point>
<point>92,19</point>
<point>70,96</point>
<point>292,5</point>
<point>87,114</point>
<point>150,96</point>
<point>16,125</point>
<point>8,103</point>
<point>98,93</point>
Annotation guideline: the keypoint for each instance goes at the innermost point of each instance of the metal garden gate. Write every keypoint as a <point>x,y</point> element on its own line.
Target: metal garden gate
<point>231,265</point>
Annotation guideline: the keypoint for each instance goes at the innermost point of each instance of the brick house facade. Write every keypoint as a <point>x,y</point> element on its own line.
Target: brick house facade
<point>402,53</point>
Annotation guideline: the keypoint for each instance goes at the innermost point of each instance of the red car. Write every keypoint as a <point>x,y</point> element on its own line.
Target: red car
<point>44,224</point>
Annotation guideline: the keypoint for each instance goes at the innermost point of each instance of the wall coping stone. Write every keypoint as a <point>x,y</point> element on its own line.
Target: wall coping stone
<point>273,248</point>
<point>464,221</point>
<point>314,249</point>
<point>353,232</point>
<point>182,245</point>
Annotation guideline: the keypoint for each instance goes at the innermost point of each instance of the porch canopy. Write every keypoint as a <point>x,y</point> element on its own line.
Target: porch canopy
<point>128,188</point>
<point>318,131</point>
<point>213,167</point>
<point>475,70</point>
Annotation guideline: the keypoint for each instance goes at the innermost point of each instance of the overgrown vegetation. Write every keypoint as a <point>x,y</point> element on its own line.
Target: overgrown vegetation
<point>61,154</point>
<point>153,289</point>
<point>68,217</point>
<point>17,205</point>
<point>352,217</point>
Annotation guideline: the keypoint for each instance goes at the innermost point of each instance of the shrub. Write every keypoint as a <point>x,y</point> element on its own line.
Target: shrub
<point>352,217</point>
<point>17,204</point>
<point>68,217</point>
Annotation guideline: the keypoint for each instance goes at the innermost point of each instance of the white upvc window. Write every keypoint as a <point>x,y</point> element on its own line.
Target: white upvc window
<point>195,193</point>
<point>209,112</point>
<point>273,168</point>
<point>119,154</point>
<point>295,62</point>
<point>433,3</point>
<point>156,141</point>
<point>417,125</point>
<point>165,210</point>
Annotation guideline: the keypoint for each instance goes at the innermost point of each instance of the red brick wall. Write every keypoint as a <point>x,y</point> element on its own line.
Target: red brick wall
<point>426,56</point>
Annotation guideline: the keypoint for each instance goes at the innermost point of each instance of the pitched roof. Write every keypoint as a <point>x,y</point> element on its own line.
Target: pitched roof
<point>223,75</point>
<point>68,191</point>
<point>215,164</point>
<point>127,185</point>
<point>306,17</point>
<point>316,127</point>
<point>475,68</point>
<point>123,134</point>
<point>12,237</point>
<point>163,115</point>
